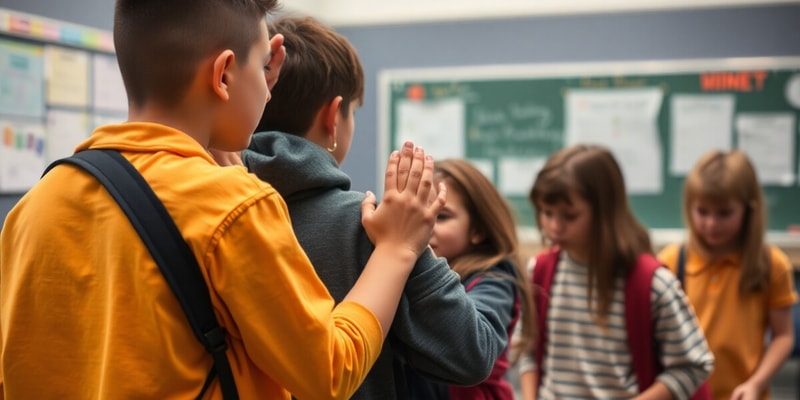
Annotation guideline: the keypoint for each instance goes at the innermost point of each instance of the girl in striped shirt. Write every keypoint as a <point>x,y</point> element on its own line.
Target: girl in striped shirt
<point>582,210</point>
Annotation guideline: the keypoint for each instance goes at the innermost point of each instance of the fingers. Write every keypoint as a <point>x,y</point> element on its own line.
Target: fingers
<point>390,179</point>
<point>276,62</point>
<point>441,199</point>
<point>415,172</point>
<point>226,158</point>
<point>368,205</point>
<point>404,166</point>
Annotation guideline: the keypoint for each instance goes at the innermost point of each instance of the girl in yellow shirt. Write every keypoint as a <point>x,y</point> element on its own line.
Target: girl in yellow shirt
<point>739,286</point>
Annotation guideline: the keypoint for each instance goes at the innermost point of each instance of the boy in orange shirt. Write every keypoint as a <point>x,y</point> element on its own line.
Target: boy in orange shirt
<point>85,311</point>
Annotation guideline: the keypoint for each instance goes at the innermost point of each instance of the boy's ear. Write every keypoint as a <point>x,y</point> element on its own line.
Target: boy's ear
<point>221,74</point>
<point>331,114</point>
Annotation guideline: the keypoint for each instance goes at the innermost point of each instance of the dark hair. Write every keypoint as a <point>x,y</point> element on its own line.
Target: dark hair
<point>719,177</point>
<point>618,238</point>
<point>160,43</point>
<point>320,65</point>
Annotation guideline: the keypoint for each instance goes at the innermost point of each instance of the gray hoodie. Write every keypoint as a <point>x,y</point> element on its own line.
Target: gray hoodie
<point>438,331</point>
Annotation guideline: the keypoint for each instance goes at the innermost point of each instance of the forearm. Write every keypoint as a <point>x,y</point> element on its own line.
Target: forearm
<point>656,391</point>
<point>527,384</point>
<point>446,337</point>
<point>776,353</point>
<point>381,283</point>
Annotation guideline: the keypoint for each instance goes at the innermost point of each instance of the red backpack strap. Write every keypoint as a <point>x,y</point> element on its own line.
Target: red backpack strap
<point>543,272</point>
<point>639,321</point>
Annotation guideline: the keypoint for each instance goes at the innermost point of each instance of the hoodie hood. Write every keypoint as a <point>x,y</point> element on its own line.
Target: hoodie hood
<point>293,165</point>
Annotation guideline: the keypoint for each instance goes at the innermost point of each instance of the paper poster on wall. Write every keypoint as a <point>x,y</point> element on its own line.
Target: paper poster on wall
<point>624,121</point>
<point>769,141</point>
<point>435,125</point>
<point>22,155</point>
<point>516,175</point>
<point>67,76</point>
<point>65,130</point>
<point>699,123</point>
<point>108,89</point>
<point>21,83</point>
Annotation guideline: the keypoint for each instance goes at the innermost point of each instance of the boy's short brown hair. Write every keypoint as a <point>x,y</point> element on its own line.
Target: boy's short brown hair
<point>160,43</point>
<point>320,65</point>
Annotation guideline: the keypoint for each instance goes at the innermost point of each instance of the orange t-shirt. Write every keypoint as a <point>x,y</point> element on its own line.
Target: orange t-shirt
<point>735,325</point>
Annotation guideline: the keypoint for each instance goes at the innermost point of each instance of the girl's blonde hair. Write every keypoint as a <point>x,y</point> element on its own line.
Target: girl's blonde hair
<point>592,173</point>
<point>719,177</point>
<point>491,218</point>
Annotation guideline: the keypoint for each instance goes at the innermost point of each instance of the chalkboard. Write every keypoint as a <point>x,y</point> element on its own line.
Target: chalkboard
<point>508,119</point>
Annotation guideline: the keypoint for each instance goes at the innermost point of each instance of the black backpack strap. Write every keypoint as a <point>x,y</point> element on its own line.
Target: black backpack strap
<point>169,250</point>
<point>681,269</point>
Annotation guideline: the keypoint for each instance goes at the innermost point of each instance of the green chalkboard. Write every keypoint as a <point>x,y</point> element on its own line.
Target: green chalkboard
<point>508,119</point>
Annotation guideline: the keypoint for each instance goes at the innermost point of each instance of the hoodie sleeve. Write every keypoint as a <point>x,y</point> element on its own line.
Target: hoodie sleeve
<point>447,335</point>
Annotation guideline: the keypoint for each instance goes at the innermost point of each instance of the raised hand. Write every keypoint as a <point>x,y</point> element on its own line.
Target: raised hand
<point>406,216</point>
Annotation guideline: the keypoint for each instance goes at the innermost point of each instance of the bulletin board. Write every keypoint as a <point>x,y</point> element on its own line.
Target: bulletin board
<point>657,117</point>
<point>58,81</point>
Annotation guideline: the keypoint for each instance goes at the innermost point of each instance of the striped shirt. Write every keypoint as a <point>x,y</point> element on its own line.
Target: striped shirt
<point>584,360</point>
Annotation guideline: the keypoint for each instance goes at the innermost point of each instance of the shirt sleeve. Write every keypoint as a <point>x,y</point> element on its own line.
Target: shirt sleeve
<point>781,280</point>
<point>445,334</point>
<point>682,346</point>
<point>281,311</point>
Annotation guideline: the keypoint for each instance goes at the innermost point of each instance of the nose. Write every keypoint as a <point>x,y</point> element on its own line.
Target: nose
<point>556,225</point>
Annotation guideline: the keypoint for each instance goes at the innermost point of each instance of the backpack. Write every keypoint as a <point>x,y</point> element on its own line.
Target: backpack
<point>644,361</point>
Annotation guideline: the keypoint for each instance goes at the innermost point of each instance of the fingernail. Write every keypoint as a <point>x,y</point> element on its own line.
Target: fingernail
<point>418,150</point>
<point>429,158</point>
<point>395,154</point>
<point>408,145</point>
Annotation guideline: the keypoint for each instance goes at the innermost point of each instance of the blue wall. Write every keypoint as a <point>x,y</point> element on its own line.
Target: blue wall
<point>682,34</point>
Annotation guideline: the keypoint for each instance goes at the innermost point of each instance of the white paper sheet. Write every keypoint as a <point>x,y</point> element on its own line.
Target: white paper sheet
<point>435,125</point>
<point>516,175</point>
<point>22,155</point>
<point>65,130</point>
<point>699,123</point>
<point>769,141</point>
<point>107,86</point>
<point>67,74</point>
<point>624,121</point>
<point>485,166</point>
<point>21,80</point>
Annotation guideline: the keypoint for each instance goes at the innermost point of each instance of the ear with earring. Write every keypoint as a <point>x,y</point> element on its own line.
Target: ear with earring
<point>333,148</point>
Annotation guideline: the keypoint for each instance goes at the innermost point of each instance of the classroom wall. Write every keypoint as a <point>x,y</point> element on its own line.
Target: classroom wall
<point>675,34</point>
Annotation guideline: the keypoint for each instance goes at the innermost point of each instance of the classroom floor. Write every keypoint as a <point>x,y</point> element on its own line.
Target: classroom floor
<point>785,385</point>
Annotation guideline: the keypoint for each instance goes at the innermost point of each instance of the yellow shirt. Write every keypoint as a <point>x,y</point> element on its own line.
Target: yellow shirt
<point>735,325</point>
<point>85,313</point>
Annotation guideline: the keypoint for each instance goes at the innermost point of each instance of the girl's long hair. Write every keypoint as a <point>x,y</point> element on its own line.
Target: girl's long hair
<point>719,177</point>
<point>618,238</point>
<point>491,217</point>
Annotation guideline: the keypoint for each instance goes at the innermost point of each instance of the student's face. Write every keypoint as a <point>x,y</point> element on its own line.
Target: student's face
<point>248,95</point>
<point>451,234</point>
<point>717,224</point>
<point>344,132</point>
<point>568,225</point>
